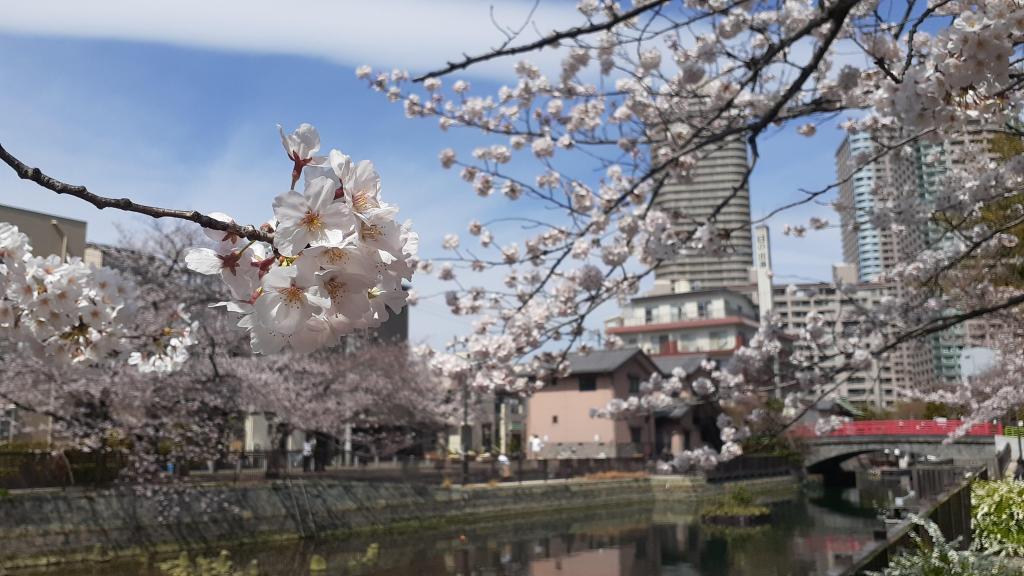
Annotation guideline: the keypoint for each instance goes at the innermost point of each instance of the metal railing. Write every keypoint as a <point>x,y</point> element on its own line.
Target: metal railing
<point>905,428</point>
<point>20,470</point>
<point>658,318</point>
<point>43,470</point>
<point>1013,431</point>
<point>748,466</point>
<point>950,510</point>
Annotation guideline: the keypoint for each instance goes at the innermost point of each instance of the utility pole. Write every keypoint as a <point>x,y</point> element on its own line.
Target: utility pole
<point>348,444</point>
<point>1019,432</point>
<point>465,432</point>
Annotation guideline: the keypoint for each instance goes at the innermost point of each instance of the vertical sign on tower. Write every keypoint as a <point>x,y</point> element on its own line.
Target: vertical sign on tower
<point>763,264</point>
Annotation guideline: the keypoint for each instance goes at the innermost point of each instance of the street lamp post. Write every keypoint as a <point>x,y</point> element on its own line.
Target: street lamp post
<point>465,432</point>
<point>1020,428</point>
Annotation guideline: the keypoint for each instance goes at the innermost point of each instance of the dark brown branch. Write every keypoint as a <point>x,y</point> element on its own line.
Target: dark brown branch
<point>944,322</point>
<point>36,175</point>
<point>549,40</point>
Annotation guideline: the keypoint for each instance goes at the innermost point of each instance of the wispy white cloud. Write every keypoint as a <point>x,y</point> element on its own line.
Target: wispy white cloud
<point>416,35</point>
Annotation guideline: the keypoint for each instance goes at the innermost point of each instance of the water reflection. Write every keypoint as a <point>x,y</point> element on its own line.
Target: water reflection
<point>807,536</point>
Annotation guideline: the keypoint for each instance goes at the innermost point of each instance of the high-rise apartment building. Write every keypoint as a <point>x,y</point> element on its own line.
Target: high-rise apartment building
<point>917,170</point>
<point>871,249</point>
<point>881,383</point>
<point>716,183</point>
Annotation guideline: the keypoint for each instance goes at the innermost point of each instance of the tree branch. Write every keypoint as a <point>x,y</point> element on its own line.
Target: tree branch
<point>36,175</point>
<point>549,40</point>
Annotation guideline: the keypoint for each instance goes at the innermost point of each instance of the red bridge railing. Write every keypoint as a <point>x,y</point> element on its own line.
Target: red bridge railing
<point>905,428</point>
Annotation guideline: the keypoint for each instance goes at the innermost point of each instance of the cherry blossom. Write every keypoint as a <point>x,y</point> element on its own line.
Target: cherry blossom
<point>73,313</point>
<point>643,94</point>
<point>336,263</point>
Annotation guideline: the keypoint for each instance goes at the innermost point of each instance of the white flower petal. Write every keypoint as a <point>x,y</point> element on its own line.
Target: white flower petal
<point>203,261</point>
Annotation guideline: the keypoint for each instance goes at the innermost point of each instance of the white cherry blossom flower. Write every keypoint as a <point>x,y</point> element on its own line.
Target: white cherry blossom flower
<point>312,218</point>
<point>289,298</point>
<point>302,144</point>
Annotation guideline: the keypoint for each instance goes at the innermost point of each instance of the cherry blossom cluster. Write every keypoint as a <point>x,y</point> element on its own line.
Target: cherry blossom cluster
<point>643,95</point>
<point>642,101</point>
<point>72,312</point>
<point>336,263</point>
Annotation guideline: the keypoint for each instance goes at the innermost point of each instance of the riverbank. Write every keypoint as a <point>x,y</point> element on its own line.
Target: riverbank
<point>57,527</point>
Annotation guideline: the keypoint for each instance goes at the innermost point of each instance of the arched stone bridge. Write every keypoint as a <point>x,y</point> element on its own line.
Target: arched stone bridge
<point>918,437</point>
<point>838,448</point>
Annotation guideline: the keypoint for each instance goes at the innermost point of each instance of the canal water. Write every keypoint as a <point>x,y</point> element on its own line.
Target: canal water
<point>810,535</point>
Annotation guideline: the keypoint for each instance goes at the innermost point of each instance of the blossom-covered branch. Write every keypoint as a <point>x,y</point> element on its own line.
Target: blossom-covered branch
<point>648,93</point>
<point>36,175</point>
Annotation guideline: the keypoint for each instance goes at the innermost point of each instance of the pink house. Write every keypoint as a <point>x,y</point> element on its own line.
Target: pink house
<point>559,415</point>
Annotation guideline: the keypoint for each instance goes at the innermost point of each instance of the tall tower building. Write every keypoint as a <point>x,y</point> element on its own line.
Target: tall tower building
<point>714,182</point>
<point>918,170</point>
<point>870,249</point>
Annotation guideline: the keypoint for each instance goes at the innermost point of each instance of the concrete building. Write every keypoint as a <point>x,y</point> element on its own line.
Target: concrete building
<point>917,171</point>
<point>48,234</point>
<point>670,322</point>
<point>716,180</point>
<point>497,425</point>
<point>880,385</point>
<point>932,162</point>
<point>871,249</point>
<point>560,413</point>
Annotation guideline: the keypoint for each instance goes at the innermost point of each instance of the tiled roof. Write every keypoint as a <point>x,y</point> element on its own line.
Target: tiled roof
<point>601,361</point>
<point>689,363</point>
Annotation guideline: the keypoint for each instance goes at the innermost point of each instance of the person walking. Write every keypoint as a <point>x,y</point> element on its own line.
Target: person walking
<point>307,453</point>
<point>504,467</point>
<point>536,445</point>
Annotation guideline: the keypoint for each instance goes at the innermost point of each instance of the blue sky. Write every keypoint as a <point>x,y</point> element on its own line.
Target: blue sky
<point>182,114</point>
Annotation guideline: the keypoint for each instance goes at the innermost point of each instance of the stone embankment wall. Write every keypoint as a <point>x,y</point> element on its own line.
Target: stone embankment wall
<point>69,526</point>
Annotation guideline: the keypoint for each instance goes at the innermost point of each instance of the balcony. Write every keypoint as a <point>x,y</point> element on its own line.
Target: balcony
<point>662,318</point>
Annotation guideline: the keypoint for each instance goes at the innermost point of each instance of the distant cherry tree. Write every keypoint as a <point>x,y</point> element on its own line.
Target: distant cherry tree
<point>645,92</point>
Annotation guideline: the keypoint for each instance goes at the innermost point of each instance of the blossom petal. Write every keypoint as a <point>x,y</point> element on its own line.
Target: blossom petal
<point>320,193</point>
<point>203,261</point>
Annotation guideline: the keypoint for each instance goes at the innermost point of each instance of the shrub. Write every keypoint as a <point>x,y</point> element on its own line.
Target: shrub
<point>998,517</point>
<point>738,502</point>
<point>935,556</point>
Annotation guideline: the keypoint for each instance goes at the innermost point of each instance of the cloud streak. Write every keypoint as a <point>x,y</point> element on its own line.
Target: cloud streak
<point>381,33</point>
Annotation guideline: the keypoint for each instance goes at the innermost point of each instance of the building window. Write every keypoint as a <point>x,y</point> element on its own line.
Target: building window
<point>588,382</point>
<point>634,385</point>
<point>687,343</point>
<point>648,315</point>
<point>554,419</point>
<point>702,309</point>
<point>663,347</point>
<point>719,341</point>
<point>6,424</point>
<point>485,432</point>
<point>636,434</point>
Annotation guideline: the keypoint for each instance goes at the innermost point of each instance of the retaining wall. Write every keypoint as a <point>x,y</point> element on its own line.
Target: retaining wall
<point>70,526</point>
